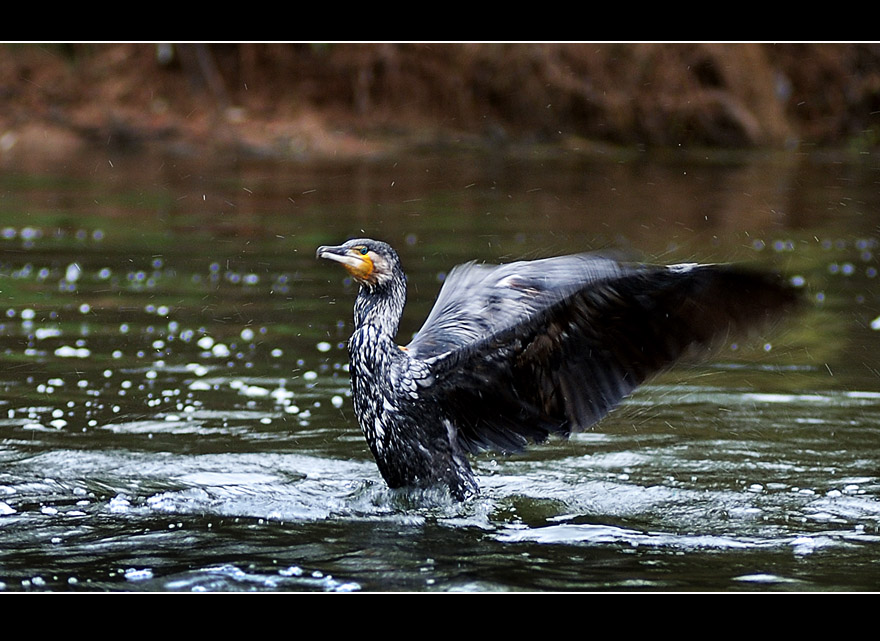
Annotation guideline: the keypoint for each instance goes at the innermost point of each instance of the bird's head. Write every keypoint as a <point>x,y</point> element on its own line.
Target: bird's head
<point>370,262</point>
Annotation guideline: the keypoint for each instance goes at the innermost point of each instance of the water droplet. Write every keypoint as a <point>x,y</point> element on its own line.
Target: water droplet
<point>220,350</point>
<point>72,274</point>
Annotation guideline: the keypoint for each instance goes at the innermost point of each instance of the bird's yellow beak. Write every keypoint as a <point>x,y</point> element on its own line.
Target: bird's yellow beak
<point>356,260</point>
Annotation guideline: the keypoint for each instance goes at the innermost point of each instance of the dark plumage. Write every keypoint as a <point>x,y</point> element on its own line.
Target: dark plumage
<point>513,353</point>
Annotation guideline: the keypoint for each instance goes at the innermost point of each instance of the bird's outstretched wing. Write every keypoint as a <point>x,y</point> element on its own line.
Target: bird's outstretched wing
<point>523,350</point>
<point>478,301</point>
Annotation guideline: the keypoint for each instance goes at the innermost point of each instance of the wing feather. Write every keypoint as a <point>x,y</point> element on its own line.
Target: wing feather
<point>479,300</point>
<point>525,350</point>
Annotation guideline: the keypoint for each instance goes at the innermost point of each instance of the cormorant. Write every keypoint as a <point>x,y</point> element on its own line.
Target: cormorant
<point>513,353</point>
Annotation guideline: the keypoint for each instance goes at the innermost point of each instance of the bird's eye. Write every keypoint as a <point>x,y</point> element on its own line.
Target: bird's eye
<point>364,251</point>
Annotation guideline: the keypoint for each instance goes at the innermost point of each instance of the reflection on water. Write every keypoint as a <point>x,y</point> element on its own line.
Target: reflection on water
<point>175,414</point>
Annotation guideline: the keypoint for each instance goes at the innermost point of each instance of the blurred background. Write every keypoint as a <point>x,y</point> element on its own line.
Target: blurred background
<point>174,405</point>
<point>313,100</point>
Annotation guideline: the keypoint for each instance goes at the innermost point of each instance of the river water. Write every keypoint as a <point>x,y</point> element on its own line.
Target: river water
<point>174,409</point>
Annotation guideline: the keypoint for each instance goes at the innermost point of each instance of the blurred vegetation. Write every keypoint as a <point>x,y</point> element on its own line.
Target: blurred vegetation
<point>300,99</point>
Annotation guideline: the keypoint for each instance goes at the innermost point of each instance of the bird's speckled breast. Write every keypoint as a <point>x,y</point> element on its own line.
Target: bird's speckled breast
<point>412,442</point>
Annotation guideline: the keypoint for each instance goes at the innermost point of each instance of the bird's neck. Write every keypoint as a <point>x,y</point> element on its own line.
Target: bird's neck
<point>381,306</point>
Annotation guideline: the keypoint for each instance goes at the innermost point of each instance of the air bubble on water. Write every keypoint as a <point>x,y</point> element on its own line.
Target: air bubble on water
<point>254,391</point>
<point>247,334</point>
<point>205,342</point>
<point>197,368</point>
<point>119,503</point>
<point>293,570</point>
<point>220,350</point>
<point>46,332</point>
<point>324,346</point>
<point>66,351</point>
<point>337,401</point>
<point>281,395</point>
<point>310,375</point>
<point>72,273</point>
<point>132,574</point>
<point>276,353</point>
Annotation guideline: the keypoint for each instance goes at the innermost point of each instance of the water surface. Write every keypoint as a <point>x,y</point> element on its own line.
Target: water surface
<point>174,410</point>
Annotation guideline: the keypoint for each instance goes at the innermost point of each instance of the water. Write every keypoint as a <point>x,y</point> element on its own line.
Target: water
<point>174,410</point>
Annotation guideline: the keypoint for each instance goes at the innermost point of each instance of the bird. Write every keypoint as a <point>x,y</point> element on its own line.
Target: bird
<point>511,354</point>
